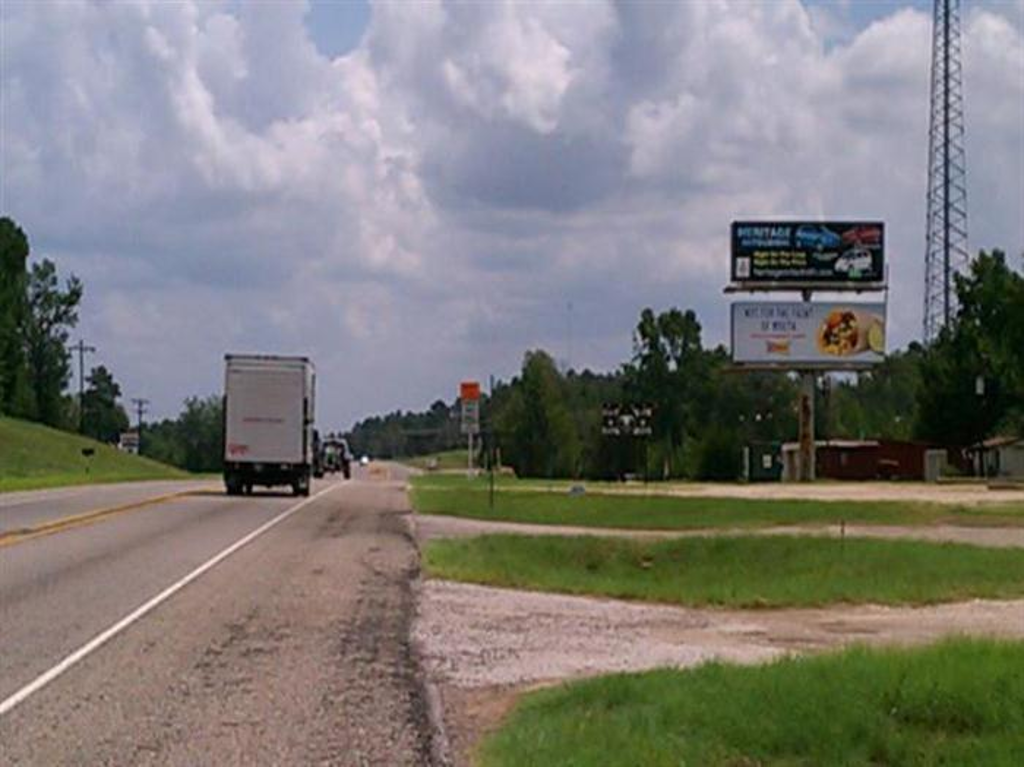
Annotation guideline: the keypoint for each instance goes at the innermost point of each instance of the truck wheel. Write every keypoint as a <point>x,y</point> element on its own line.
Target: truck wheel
<point>233,486</point>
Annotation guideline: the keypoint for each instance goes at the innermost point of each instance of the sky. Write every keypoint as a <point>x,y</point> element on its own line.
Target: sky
<point>414,194</point>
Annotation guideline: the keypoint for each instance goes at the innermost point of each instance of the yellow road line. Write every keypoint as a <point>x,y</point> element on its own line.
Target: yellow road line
<point>11,537</point>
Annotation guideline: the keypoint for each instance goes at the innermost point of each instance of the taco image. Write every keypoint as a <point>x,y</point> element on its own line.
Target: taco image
<point>846,332</point>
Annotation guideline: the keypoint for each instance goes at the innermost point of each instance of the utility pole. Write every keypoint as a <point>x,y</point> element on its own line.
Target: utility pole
<point>140,409</point>
<point>82,350</point>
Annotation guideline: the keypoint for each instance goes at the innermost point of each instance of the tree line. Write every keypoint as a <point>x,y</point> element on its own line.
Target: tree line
<point>966,386</point>
<point>38,312</point>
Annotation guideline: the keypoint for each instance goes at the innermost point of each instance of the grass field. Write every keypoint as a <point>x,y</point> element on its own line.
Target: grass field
<point>34,456</point>
<point>753,571</point>
<point>448,460</point>
<point>518,501</point>
<point>959,702</point>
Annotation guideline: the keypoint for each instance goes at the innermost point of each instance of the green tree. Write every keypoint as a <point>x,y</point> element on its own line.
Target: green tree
<point>194,440</point>
<point>104,418</point>
<point>201,430</point>
<point>985,341</point>
<point>881,403</point>
<point>538,436</point>
<point>14,252</point>
<point>670,369</point>
<point>52,312</point>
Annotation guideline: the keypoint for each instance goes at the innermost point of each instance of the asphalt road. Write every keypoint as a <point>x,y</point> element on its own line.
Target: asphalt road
<point>292,650</point>
<point>29,509</point>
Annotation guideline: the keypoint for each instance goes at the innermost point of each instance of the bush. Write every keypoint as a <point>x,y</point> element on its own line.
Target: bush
<point>719,456</point>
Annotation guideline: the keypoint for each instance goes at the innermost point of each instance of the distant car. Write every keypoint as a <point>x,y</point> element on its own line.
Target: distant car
<point>816,237</point>
<point>862,235</point>
<point>854,261</point>
<point>364,461</point>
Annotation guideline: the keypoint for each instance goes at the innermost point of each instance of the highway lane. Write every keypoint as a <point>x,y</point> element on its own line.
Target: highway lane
<point>292,650</point>
<point>34,507</point>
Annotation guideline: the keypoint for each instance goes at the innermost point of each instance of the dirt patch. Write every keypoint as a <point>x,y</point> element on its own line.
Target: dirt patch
<point>919,492</point>
<point>471,714</point>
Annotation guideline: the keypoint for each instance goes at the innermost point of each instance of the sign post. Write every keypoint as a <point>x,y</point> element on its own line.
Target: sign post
<point>469,397</point>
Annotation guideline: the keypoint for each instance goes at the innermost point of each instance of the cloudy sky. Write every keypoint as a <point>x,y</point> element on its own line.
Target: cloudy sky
<point>416,193</point>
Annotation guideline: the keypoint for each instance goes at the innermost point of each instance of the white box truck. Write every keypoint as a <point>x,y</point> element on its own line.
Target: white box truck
<point>268,422</point>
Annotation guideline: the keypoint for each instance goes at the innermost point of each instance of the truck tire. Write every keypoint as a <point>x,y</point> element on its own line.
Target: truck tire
<point>232,485</point>
<point>347,471</point>
<point>301,485</point>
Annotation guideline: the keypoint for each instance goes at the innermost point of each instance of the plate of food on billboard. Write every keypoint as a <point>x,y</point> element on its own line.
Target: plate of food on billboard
<point>796,334</point>
<point>836,254</point>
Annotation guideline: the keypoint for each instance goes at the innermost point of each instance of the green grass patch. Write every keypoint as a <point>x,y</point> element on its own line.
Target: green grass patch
<point>516,501</point>
<point>956,703</point>
<point>753,571</point>
<point>33,456</point>
<point>445,461</point>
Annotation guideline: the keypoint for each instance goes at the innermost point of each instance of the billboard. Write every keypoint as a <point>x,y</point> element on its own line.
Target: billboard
<point>827,335</point>
<point>830,253</point>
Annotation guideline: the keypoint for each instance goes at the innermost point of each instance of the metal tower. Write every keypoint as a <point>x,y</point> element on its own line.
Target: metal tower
<point>946,251</point>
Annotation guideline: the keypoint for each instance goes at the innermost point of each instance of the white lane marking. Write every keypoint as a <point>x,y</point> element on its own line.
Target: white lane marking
<point>97,641</point>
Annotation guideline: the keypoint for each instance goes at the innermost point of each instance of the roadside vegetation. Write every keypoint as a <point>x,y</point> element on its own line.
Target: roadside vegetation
<point>33,456</point>
<point>447,460</point>
<point>957,702</point>
<point>517,501</point>
<point>742,572</point>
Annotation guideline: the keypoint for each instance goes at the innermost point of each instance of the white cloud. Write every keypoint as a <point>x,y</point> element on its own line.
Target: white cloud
<point>425,207</point>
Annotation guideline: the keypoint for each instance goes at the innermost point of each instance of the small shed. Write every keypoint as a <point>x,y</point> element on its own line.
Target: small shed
<point>852,459</point>
<point>999,457</point>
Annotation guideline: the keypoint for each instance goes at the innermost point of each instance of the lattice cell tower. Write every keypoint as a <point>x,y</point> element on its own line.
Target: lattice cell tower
<point>946,252</point>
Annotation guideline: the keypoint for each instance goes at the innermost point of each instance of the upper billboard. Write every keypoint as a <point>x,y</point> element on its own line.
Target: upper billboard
<point>798,335</point>
<point>830,253</point>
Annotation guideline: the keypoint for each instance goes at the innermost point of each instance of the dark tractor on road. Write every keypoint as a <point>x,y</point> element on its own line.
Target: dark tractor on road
<point>336,456</point>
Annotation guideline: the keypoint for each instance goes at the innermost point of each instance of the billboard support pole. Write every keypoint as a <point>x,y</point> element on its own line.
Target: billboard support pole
<point>806,464</point>
<point>806,426</point>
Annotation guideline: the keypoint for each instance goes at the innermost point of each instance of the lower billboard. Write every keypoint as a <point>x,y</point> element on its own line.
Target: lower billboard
<point>802,334</point>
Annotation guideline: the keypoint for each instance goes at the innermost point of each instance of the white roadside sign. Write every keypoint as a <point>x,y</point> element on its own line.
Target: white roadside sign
<point>827,335</point>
